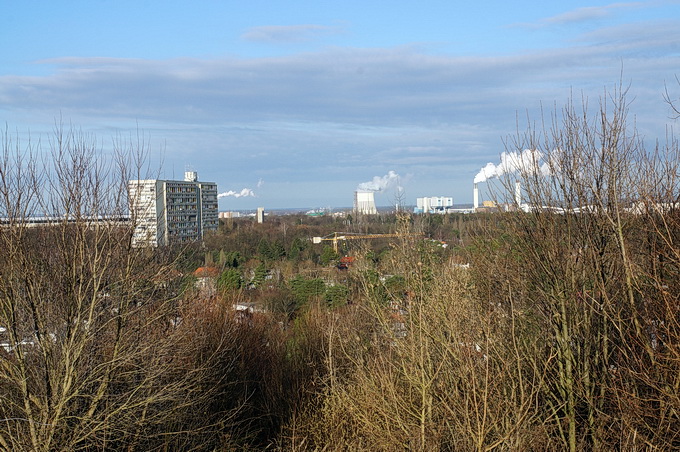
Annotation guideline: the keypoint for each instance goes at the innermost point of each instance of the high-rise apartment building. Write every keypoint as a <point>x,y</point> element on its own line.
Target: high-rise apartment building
<point>171,211</point>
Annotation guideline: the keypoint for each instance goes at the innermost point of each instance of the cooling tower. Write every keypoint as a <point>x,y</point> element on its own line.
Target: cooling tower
<point>364,203</point>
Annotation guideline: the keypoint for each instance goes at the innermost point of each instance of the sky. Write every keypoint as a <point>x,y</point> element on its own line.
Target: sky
<point>296,104</point>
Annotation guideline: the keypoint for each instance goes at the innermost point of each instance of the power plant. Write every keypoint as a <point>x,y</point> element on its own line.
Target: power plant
<point>364,194</point>
<point>517,198</point>
<point>433,204</point>
<point>364,202</point>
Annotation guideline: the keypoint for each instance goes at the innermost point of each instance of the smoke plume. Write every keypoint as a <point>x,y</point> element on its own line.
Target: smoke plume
<point>237,194</point>
<point>379,184</point>
<point>528,161</point>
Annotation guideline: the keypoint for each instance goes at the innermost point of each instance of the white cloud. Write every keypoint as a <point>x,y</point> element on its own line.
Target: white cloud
<point>288,33</point>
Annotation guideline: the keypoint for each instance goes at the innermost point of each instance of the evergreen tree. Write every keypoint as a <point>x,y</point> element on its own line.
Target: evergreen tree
<point>337,295</point>
<point>264,249</point>
<point>304,289</point>
<point>260,275</point>
<point>234,259</point>
<point>230,279</point>
<point>296,249</point>
<point>277,250</point>
<point>328,255</point>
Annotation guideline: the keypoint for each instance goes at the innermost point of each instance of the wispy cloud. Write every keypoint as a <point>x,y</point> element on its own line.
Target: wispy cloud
<point>384,87</point>
<point>288,33</point>
<point>583,14</point>
<point>588,13</point>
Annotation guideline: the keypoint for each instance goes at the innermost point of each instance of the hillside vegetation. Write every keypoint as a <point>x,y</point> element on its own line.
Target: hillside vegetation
<point>552,329</point>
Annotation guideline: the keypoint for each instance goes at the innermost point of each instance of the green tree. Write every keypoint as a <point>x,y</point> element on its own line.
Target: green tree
<point>304,289</point>
<point>264,249</point>
<point>230,279</point>
<point>328,255</point>
<point>233,259</point>
<point>296,249</point>
<point>337,295</point>
<point>277,250</point>
<point>260,274</point>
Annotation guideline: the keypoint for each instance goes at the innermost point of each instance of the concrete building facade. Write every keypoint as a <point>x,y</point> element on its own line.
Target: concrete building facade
<point>171,211</point>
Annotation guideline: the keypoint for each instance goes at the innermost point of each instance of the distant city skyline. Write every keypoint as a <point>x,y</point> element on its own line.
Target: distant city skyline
<point>298,104</point>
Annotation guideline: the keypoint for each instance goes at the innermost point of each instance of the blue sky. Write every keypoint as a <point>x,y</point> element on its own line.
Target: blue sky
<point>302,101</point>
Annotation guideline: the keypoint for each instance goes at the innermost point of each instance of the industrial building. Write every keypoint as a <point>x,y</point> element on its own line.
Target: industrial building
<point>172,211</point>
<point>517,205</point>
<point>364,203</point>
<point>433,204</point>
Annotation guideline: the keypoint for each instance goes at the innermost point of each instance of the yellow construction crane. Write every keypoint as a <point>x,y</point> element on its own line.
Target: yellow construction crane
<point>338,236</point>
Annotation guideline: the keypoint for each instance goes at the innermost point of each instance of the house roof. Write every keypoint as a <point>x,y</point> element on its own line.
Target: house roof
<point>206,272</point>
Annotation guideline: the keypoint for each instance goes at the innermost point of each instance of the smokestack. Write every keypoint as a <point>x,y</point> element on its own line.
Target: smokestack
<point>518,194</point>
<point>475,197</point>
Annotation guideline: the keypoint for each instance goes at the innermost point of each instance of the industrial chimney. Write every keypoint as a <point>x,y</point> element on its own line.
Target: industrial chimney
<point>518,194</point>
<point>475,197</point>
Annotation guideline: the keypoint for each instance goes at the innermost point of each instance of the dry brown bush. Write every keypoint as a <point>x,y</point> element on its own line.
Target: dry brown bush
<point>563,333</point>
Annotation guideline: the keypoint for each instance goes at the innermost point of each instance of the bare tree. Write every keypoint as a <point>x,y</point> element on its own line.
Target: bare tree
<point>602,208</point>
<point>90,356</point>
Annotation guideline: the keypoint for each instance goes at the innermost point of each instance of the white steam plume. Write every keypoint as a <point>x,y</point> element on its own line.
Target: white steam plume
<point>237,194</point>
<point>527,161</point>
<point>391,179</point>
